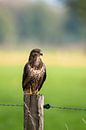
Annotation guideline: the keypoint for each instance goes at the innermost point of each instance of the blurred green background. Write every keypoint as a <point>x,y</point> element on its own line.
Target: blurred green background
<point>63,87</point>
<point>59,29</point>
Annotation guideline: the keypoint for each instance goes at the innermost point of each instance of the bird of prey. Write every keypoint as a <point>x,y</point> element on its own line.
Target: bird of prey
<point>34,73</point>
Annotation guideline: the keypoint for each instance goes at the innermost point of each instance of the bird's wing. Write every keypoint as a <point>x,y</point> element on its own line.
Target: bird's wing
<point>43,78</point>
<point>26,76</point>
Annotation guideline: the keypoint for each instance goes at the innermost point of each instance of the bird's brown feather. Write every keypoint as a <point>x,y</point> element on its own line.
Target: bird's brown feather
<point>34,75</point>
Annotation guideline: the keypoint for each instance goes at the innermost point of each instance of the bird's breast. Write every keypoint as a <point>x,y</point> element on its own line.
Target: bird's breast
<point>36,73</point>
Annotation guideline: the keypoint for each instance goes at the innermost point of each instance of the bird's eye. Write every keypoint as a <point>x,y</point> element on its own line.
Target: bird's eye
<point>35,54</point>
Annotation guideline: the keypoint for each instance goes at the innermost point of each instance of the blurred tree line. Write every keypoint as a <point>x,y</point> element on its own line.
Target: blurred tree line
<point>37,22</point>
<point>79,7</point>
<point>78,10</point>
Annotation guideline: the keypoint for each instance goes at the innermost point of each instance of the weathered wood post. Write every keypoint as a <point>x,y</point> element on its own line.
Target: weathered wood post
<point>33,112</point>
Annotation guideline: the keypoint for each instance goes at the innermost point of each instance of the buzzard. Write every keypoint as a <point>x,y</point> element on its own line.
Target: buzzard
<point>34,73</point>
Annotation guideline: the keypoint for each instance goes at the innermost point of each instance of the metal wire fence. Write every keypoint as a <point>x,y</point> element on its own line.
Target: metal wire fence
<point>47,106</point>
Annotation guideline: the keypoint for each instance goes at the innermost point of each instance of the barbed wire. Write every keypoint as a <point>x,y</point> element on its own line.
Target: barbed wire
<point>11,105</point>
<point>47,106</point>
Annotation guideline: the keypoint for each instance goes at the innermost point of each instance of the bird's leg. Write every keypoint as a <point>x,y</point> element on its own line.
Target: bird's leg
<point>36,92</point>
<point>30,91</point>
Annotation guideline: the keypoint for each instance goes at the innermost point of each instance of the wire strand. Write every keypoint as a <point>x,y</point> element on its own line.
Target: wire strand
<point>11,105</point>
<point>47,106</point>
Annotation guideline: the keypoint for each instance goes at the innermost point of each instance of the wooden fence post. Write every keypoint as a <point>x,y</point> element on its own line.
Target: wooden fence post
<point>33,112</point>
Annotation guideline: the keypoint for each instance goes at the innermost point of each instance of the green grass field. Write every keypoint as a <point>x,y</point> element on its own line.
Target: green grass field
<point>65,86</point>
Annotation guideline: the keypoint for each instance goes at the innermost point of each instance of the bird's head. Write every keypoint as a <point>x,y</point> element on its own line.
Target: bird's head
<point>34,58</point>
<point>36,53</point>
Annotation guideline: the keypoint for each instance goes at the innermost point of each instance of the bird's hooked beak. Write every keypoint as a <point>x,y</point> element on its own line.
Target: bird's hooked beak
<point>41,53</point>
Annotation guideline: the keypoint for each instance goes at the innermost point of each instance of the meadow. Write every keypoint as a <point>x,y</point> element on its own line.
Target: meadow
<point>65,86</point>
